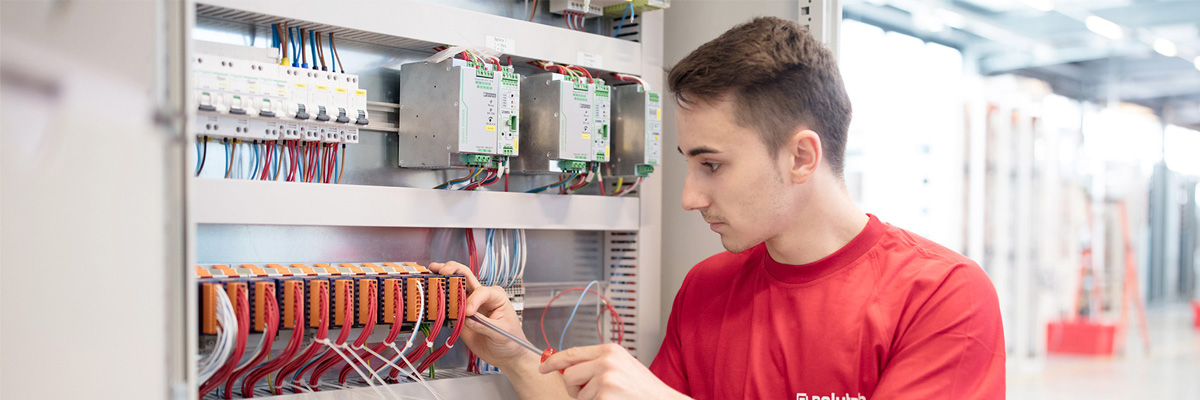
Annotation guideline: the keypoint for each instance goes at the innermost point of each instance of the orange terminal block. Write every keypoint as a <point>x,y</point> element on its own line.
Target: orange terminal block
<point>261,291</point>
<point>452,305</point>
<point>229,272</point>
<point>340,300</point>
<point>331,270</point>
<point>436,285</point>
<point>208,308</point>
<point>233,288</point>
<point>413,305</point>
<point>390,299</point>
<point>314,301</point>
<point>353,268</point>
<point>398,268</point>
<point>306,269</point>
<point>279,269</point>
<point>418,267</point>
<point>293,291</point>
<point>254,269</point>
<point>202,273</point>
<point>373,267</point>
<point>364,299</point>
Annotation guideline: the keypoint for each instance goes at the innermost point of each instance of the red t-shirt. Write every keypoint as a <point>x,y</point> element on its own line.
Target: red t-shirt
<point>889,316</point>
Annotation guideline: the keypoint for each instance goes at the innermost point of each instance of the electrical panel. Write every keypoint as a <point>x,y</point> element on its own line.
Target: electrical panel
<point>558,124</point>
<point>636,131</point>
<point>264,101</point>
<point>457,113</point>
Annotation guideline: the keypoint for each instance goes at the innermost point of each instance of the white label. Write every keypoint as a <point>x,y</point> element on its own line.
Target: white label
<point>590,60</point>
<point>503,45</point>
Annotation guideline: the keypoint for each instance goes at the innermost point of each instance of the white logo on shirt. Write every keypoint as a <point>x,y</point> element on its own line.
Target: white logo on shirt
<point>831,396</point>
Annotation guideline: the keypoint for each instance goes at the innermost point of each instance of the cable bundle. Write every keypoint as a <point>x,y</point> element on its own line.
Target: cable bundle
<point>504,257</point>
<point>243,322</point>
<point>264,346</point>
<point>286,356</point>
<point>226,337</point>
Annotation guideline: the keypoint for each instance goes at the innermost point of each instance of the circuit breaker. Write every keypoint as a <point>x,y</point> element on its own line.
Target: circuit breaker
<point>258,100</point>
<point>557,125</point>
<point>636,131</point>
<point>457,113</point>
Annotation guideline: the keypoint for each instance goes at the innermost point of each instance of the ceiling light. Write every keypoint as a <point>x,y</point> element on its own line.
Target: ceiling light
<point>1104,27</point>
<point>1040,5</point>
<point>1165,47</point>
<point>1196,62</point>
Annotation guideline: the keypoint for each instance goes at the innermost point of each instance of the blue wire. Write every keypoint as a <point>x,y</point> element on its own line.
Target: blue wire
<point>257,159</point>
<point>623,17</point>
<point>198,141</point>
<point>300,168</point>
<point>295,48</point>
<point>274,36</point>
<point>581,296</point>
<point>544,188</point>
<point>332,59</point>
<point>228,158</point>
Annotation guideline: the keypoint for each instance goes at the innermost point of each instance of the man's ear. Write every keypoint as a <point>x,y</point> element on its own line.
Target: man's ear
<point>804,152</point>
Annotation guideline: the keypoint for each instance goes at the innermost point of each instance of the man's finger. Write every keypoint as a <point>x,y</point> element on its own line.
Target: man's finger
<point>454,268</point>
<point>487,299</point>
<point>578,375</point>
<point>572,356</point>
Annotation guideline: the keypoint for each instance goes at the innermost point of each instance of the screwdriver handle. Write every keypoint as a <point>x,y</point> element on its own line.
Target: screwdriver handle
<point>546,354</point>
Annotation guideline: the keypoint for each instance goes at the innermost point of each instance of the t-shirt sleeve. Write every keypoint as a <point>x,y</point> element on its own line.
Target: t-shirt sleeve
<point>953,346</point>
<point>668,364</point>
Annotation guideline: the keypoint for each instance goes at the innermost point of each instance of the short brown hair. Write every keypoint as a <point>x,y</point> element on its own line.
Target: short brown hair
<point>778,77</point>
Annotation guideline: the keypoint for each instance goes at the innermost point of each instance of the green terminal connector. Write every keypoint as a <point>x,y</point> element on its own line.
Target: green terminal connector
<point>571,165</point>
<point>644,170</point>
<point>475,160</point>
<point>619,10</point>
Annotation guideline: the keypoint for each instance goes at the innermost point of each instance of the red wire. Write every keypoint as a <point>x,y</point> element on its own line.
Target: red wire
<point>272,316</point>
<point>243,319</point>
<point>373,299</point>
<point>397,323</point>
<point>505,183</point>
<point>441,351</point>
<point>472,253</point>
<point>327,360</point>
<point>433,332</point>
<point>284,358</point>
<point>322,333</point>
<point>617,320</point>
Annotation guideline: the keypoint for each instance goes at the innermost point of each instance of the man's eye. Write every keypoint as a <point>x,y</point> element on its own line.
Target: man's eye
<point>711,166</point>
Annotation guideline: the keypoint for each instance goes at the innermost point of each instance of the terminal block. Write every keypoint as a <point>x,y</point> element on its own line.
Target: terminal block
<point>293,291</point>
<point>457,113</point>
<point>637,131</point>
<point>343,297</point>
<point>390,287</point>
<point>364,300</point>
<point>317,286</point>
<point>435,285</point>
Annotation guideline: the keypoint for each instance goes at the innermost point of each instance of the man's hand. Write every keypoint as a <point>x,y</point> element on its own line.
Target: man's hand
<point>606,371</point>
<point>491,303</point>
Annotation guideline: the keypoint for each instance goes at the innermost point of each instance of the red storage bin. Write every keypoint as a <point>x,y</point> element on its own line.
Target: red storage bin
<point>1196,311</point>
<point>1080,337</point>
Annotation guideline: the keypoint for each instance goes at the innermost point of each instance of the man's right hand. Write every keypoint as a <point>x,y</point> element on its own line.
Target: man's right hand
<point>491,303</point>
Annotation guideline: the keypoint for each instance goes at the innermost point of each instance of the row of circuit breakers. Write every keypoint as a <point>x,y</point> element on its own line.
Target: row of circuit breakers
<point>345,287</point>
<point>453,113</point>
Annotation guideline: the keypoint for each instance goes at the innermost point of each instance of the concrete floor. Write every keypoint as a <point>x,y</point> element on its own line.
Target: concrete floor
<point>1170,370</point>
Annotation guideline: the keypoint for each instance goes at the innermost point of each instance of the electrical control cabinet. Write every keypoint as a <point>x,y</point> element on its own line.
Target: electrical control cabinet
<point>636,131</point>
<point>260,100</point>
<point>558,122</point>
<point>457,113</point>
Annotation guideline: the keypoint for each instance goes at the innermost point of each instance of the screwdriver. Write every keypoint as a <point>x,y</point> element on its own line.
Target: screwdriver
<point>545,353</point>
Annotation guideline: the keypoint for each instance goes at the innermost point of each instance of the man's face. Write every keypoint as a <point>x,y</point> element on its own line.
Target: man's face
<point>741,191</point>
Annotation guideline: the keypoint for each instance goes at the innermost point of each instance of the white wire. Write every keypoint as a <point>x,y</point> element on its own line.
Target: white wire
<point>226,335</point>
<point>631,188</point>
<point>416,328</point>
<point>348,361</point>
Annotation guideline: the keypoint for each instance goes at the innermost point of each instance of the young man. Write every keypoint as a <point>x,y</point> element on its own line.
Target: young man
<point>814,299</point>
